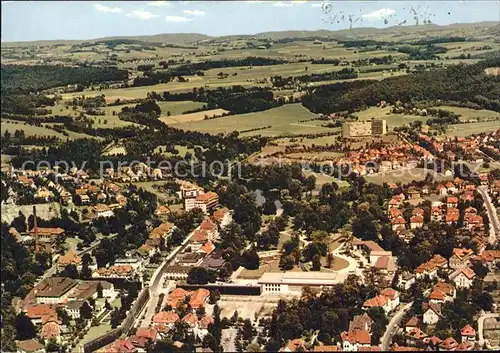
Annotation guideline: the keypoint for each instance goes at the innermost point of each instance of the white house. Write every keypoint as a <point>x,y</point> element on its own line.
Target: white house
<point>463,277</point>
<point>432,313</point>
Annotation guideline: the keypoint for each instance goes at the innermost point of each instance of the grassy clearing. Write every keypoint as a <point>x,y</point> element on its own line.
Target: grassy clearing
<point>192,117</point>
<point>467,113</point>
<point>304,141</point>
<point>397,176</point>
<point>324,178</point>
<point>284,119</point>
<point>462,130</point>
<point>30,130</point>
<point>177,108</point>
<point>181,149</point>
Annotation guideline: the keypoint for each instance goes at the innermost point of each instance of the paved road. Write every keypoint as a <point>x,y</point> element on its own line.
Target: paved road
<point>156,284</point>
<point>392,327</point>
<point>480,328</point>
<point>492,215</point>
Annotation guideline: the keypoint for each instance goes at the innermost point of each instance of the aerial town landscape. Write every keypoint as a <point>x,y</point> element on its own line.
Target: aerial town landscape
<point>331,186</point>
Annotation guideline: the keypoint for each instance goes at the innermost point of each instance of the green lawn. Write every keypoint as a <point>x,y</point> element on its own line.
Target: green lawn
<point>284,119</point>
<point>177,108</point>
<point>31,130</point>
<point>462,130</point>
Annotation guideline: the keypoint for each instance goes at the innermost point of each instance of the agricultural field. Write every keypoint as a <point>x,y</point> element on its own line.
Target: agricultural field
<point>283,120</point>
<point>192,117</point>
<point>31,130</point>
<point>177,108</point>
<point>462,130</point>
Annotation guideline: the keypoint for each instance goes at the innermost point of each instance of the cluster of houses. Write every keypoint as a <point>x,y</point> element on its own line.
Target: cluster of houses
<point>164,321</point>
<point>42,303</point>
<point>391,157</point>
<point>416,337</point>
<point>446,210</point>
<point>200,250</point>
<point>465,148</point>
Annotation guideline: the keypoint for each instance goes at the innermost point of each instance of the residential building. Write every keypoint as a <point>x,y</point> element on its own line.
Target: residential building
<point>431,313</point>
<point>461,258</point>
<point>165,319</point>
<point>468,333</point>
<point>70,258</point>
<point>449,344</point>
<point>361,322</point>
<point>207,201</point>
<point>352,341</point>
<point>412,323</point>
<point>30,346</point>
<point>199,298</point>
<point>102,210</point>
<point>463,277</point>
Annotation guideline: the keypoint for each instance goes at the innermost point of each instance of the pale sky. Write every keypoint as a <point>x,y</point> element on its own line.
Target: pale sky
<point>51,20</point>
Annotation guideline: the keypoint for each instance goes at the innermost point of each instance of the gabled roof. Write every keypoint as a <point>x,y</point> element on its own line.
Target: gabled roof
<point>356,336</point>
<point>468,330</point>
<point>165,317</point>
<point>466,271</point>
<point>449,343</point>
<point>416,333</point>
<point>413,322</point>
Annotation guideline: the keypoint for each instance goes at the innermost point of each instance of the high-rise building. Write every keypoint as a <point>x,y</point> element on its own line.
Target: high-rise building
<point>374,127</point>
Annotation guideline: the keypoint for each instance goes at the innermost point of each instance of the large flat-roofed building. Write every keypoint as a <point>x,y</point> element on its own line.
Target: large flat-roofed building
<point>293,282</point>
<point>374,127</point>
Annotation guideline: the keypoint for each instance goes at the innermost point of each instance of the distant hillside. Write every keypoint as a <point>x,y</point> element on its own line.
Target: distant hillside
<point>470,29</point>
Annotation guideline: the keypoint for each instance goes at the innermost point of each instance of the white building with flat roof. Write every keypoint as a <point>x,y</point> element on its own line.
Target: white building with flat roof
<point>293,282</point>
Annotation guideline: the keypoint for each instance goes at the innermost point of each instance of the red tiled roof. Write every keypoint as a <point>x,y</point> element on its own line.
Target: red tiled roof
<point>165,317</point>
<point>377,301</point>
<point>437,295</point>
<point>199,297</point>
<point>51,330</point>
<point>449,343</point>
<point>467,330</point>
<point>416,333</point>
<point>207,196</point>
<point>356,336</point>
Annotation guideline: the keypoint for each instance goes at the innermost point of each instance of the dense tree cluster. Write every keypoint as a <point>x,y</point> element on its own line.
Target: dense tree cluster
<point>329,313</point>
<point>455,83</point>
<point>24,79</point>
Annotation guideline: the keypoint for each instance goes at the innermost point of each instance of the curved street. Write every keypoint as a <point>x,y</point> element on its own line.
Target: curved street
<point>492,215</point>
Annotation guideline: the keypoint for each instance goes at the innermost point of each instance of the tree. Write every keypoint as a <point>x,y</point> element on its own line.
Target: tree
<point>70,271</point>
<point>316,263</point>
<point>287,262</point>
<point>251,260</point>
<point>269,207</point>
<point>99,290</point>
<point>247,330</point>
<point>198,275</point>
<point>107,305</point>
<point>24,327</point>
<point>115,318</point>
<point>329,259</point>
<point>86,272</point>
<point>210,342</point>
<point>86,311</point>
